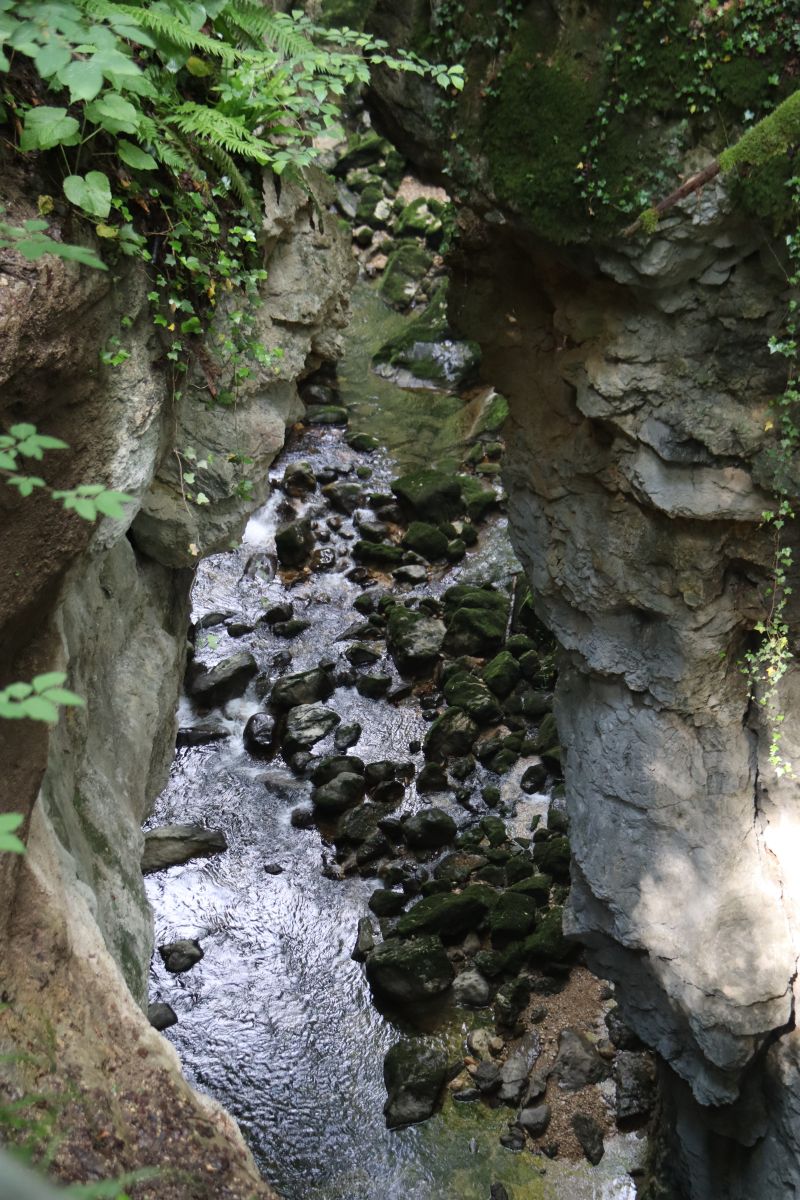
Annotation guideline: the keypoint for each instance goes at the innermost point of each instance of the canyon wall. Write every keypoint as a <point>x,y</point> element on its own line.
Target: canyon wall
<point>640,449</point>
<point>109,605</point>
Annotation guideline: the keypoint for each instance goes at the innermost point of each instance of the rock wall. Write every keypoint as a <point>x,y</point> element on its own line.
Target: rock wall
<point>639,383</point>
<point>638,466</point>
<point>109,605</point>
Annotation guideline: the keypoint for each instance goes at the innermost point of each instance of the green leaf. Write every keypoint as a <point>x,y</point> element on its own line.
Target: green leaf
<point>11,844</point>
<point>10,821</point>
<point>46,127</point>
<point>113,113</point>
<point>90,192</point>
<point>134,156</point>
<point>52,57</point>
<point>111,504</point>
<point>22,430</point>
<point>39,709</point>
<point>83,78</point>
<point>64,696</point>
<point>17,691</point>
<point>51,679</point>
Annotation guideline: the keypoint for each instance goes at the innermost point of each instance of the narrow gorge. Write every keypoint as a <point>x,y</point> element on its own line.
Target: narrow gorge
<point>420,818</point>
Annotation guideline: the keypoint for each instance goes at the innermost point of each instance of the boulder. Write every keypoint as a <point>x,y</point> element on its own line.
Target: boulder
<point>578,1062</point>
<point>635,1079</point>
<point>429,495</point>
<point>471,989</point>
<point>476,620</point>
<point>345,497</point>
<point>181,956</point>
<point>294,542</point>
<point>373,687</point>
<point>453,733</point>
<point>258,735</point>
<point>553,858</point>
<point>414,1075</point>
<point>386,903</point>
<point>501,674</point>
<point>383,555</point>
<point>203,733</point>
<point>517,1067</point>
<point>589,1133</point>
<point>336,764</point>
<point>303,687</point>
<point>307,724</point>
<point>299,479</point>
<point>464,691</point>
<point>347,736</point>
<point>365,940</point>
<point>409,971</point>
<point>339,793</point>
<point>429,829</point>
<point>535,1120</point>
<point>161,1016</point>
<point>450,914</point>
<point>405,270</point>
<point>224,681</point>
<point>427,540</point>
<point>170,845</point>
<point>512,917</point>
<point>414,639</point>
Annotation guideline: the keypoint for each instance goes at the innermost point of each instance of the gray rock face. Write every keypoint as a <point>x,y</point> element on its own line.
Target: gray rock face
<point>170,845</point>
<point>634,494</point>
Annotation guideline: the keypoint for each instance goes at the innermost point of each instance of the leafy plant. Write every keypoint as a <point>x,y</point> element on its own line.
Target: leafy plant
<point>87,500</point>
<point>9,842</point>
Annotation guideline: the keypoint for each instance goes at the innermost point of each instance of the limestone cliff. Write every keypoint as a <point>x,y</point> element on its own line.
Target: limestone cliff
<point>637,469</point>
<point>109,605</point>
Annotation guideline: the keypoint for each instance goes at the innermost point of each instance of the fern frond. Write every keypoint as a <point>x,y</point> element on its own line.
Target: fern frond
<point>164,25</point>
<point>282,33</point>
<point>214,128</point>
<point>240,184</point>
<point>245,20</point>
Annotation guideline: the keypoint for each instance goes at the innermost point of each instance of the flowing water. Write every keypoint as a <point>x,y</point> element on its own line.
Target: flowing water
<point>277,1021</point>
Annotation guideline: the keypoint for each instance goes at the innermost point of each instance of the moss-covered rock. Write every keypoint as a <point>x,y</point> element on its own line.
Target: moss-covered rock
<point>476,620</point>
<point>414,639</point>
<point>409,970</point>
<point>429,829</point>
<point>501,674</point>
<point>513,916</point>
<point>450,915</point>
<point>464,691</point>
<point>536,886</point>
<point>420,218</point>
<point>548,943</point>
<point>405,270</point>
<point>478,500</point>
<point>429,495</point>
<point>453,733</point>
<point>553,858</point>
<point>378,554</point>
<point>427,540</point>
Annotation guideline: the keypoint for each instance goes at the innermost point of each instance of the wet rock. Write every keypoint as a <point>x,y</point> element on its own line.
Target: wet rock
<point>548,943</point>
<point>414,1075</point>
<point>372,531</point>
<point>386,903</point>
<point>302,817</point>
<point>534,778</point>
<point>318,394</point>
<point>414,640</point>
<point>457,868</point>
<point>161,1016</point>
<point>211,619</point>
<point>364,443</point>
<point>467,1095</point>
<point>203,733</point>
<point>299,479</point>
<point>513,1140</point>
<point>347,736</point>
<point>536,886</point>
<point>389,793</point>
<point>259,733</point>
<point>429,829</point>
<point>326,769</point>
<point>383,555</point>
<point>409,971</point>
<point>413,573</point>
<point>487,1077</point>
<point>476,620</point>
<point>237,629</point>
<point>515,1070</point>
<point>373,687</point>
<point>360,654</point>
<point>405,270</point>
<point>328,415</point>
<point>464,691</point>
<point>170,845</point>
<point>429,495</point>
<point>471,989</point>
<point>547,734</point>
<point>535,1120</point>
<point>359,823</point>
<point>277,613</point>
<point>635,1077</point>
<point>501,674</point>
<point>426,540</point>
<point>343,496</point>
<point>590,1137</point>
<point>290,629</point>
<point>181,956</point>
<point>365,940</point>
<point>307,724</point>
<point>510,1001</point>
<point>223,682</point>
<point>578,1062</point>
<point>450,915</point>
<point>304,687</point>
<point>294,542</point>
<point>338,793</point>
<point>525,701</point>
<point>273,869</point>
<point>377,845</point>
<point>453,733</point>
<point>491,795</point>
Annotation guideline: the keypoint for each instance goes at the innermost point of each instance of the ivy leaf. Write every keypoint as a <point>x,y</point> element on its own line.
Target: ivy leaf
<point>90,192</point>
<point>135,157</point>
<point>46,127</point>
<point>83,77</point>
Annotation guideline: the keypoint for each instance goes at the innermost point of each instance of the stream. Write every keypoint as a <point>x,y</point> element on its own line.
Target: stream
<point>277,1021</point>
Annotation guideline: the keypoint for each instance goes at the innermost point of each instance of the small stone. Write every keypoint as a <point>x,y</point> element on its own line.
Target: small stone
<point>347,736</point>
<point>181,956</point>
<point>273,869</point>
<point>590,1136</point>
<point>578,1062</point>
<point>471,989</point>
<point>487,1077</point>
<point>302,817</point>
<point>258,735</point>
<point>161,1016</point>
<point>386,903</point>
<point>535,1120</point>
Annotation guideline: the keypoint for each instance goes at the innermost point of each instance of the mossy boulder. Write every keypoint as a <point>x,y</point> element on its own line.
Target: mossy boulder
<point>553,858</point>
<point>478,500</point>
<point>294,542</point>
<point>409,970</point>
<point>501,674</point>
<point>450,915</point>
<point>536,886</point>
<point>384,555</point>
<point>414,639</point>
<point>327,414</point>
<point>457,868</point>
<point>513,916</point>
<point>429,495</point>
<point>546,735</point>
<point>405,270</point>
<point>386,903</point>
<point>426,353</point>
<point>338,793</point>
<point>453,733</point>
<point>464,691</point>
<point>414,1074</point>
<point>420,218</point>
<point>494,415</point>
<point>548,943</point>
<point>427,540</point>
<point>494,830</point>
<point>476,620</point>
<point>302,687</point>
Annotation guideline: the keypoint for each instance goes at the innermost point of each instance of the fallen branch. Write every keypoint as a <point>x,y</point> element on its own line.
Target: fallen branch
<point>693,184</point>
